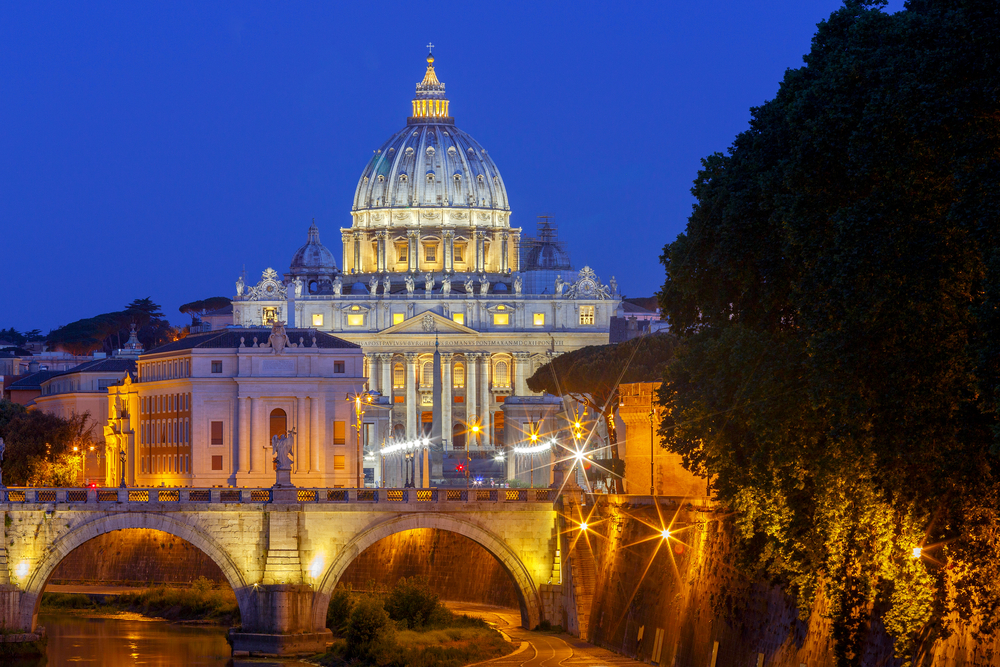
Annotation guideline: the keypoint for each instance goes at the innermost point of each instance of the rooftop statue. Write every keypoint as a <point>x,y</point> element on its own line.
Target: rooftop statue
<point>484,284</point>
<point>409,284</point>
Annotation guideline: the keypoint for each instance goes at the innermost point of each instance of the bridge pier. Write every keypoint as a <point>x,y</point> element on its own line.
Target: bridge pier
<point>280,623</point>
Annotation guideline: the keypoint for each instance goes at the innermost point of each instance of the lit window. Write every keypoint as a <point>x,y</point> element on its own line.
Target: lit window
<point>458,318</point>
<point>317,319</point>
<point>401,249</point>
<point>427,374</point>
<point>356,320</point>
<point>459,253</point>
<point>430,253</point>
<point>458,375</point>
<point>586,314</point>
<point>397,318</point>
<point>501,375</point>
<point>338,462</point>
<point>538,319</point>
<point>270,316</point>
<point>398,376</point>
<point>216,366</point>
<point>501,319</point>
<point>339,432</point>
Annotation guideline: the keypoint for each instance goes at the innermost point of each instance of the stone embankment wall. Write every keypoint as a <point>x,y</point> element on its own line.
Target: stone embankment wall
<point>135,557</point>
<point>458,568</point>
<point>683,602</point>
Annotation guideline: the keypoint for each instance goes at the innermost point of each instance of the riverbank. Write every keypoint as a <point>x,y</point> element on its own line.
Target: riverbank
<point>201,602</point>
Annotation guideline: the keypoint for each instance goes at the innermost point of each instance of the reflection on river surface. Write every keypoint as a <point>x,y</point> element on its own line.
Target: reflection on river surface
<point>117,642</point>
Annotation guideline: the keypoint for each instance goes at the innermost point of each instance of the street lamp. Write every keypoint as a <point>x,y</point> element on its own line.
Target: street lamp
<point>77,450</point>
<point>360,401</point>
<point>468,452</point>
<point>652,417</point>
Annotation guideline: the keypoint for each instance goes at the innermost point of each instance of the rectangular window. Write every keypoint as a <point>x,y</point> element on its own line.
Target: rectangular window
<point>216,366</point>
<point>401,253</point>
<point>397,318</point>
<point>538,319</point>
<point>338,462</point>
<point>430,253</point>
<point>216,433</point>
<point>339,432</point>
<point>458,318</point>
<point>460,399</point>
<point>586,314</point>
<point>459,253</point>
<point>501,319</point>
<point>104,384</point>
<point>270,316</point>
<point>317,319</point>
<point>338,366</point>
<point>217,462</point>
<point>356,320</point>
<point>399,399</point>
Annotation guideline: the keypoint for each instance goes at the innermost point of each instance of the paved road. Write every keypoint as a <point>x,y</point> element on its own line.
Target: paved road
<point>544,649</point>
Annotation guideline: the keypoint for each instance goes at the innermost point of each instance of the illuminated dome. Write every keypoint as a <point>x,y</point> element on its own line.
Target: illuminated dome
<point>313,257</point>
<point>431,163</point>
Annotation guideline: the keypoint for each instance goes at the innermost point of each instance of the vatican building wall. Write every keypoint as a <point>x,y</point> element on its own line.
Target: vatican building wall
<point>431,264</point>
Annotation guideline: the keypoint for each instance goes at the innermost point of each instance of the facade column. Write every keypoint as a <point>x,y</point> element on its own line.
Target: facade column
<point>411,395</point>
<point>244,434</point>
<point>345,238</point>
<point>471,409</point>
<point>372,372</point>
<point>313,434</point>
<point>381,251</point>
<point>449,252</point>
<point>411,244</point>
<point>256,458</point>
<point>385,364</point>
<point>357,252</point>
<point>520,373</point>
<point>446,399</point>
<point>485,395</point>
<point>504,255</point>
<point>301,435</point>
<point>480,254</point>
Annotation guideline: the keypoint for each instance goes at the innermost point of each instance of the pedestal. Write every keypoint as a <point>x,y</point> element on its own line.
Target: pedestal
<point>281,625</point>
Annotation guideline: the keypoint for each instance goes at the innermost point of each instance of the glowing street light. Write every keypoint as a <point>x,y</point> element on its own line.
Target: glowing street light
<point>917,552</point>
<point>665,534</point>
<point>583,527</point>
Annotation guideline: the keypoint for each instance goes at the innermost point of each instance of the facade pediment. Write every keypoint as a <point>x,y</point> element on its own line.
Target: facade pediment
<point>429,322</point>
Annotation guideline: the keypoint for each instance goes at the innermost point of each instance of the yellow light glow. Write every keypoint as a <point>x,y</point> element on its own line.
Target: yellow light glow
<point>355,320</point>
<point>458,318</point>
<point>917,552</point>
<point>583,526</point>
<point>23,569</point>
<point>317,319</point>
<point>316,568</point>
<point>534,437</point>
<point>397,318</point>
<point>475,429</point>
<point>665,534</point>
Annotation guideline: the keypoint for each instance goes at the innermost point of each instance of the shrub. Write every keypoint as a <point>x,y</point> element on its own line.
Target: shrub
<point>370,633</point>
<point>413,601</point>
<point>339,611</point>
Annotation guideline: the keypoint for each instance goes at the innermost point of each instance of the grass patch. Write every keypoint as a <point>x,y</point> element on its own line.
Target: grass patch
<point>448,647</point>
<point>199,602</point>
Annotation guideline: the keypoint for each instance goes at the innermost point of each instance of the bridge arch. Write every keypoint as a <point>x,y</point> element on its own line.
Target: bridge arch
<point>527,591</point>
<point>66,543</point>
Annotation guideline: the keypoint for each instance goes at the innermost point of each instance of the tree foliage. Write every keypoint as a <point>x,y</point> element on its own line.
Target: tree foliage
<point>109,331</point>
<point>198,308</point>
<point>591,375</point>
<point>836,291</point>
<point>20,337</point>
<point>39,446</point>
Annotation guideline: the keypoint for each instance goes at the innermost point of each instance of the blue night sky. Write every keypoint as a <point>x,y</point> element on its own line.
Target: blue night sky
<point>154,149</point>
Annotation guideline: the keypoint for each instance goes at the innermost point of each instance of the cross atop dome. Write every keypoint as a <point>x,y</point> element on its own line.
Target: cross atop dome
<point>430,104</point>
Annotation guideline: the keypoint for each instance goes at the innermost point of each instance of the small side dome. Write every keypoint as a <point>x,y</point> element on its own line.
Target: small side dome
<point>359,288</point>
<point>314,257</point>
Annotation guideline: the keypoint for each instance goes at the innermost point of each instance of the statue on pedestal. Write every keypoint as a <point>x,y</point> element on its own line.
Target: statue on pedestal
<point>428,283</point>
<point>409,284</point>
<point>559,286</point>
<point>446,285</point>
<point>386,285</point>
<point>239,286</point>
<point>518,285</point>
<point>282,457</point>
<point>373,286</point>
<point>298,286</point>
<point>338,286</point>
<point>468,285</point>
<point>484,284</point>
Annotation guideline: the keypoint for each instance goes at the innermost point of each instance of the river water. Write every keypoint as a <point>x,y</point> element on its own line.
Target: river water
<point>117,642</point>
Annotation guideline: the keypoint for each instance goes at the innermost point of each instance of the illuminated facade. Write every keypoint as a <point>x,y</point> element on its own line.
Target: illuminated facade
<point>429,262</point>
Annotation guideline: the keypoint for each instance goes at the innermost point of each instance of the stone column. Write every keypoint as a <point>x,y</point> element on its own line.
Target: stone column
<point>520,373</point>
<point>412,260</point>
<point>381,251</point>
<point>411,396</point>
<point>485,395</point>
<point>372,371</point>
<point>345,238</point>
<point>244,435</point>
<point>449,252</point>
<point>446,399</point>
<point>472,410</point>
<point>313,434</point>
<point>504,259</point>
<point>301,435</point>
<point>256,458</point>
<point>385,364</point>
<point>357,252</point>
<point>480,252</point>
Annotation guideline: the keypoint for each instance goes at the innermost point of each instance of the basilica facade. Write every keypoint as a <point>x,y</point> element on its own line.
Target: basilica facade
<point>432,263</point>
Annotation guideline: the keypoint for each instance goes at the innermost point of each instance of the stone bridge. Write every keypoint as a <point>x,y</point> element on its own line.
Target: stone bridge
<point>283,550</point>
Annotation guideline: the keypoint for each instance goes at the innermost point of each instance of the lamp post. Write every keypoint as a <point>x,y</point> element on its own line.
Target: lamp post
<point>652,417</point>
<point>360,401</point>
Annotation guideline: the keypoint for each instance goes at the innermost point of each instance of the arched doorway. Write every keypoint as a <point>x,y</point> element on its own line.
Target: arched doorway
<point>458,436</point>
<point>279,423</point>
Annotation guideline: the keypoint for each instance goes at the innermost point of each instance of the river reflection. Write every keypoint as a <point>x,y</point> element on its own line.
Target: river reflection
<point>117,642</point>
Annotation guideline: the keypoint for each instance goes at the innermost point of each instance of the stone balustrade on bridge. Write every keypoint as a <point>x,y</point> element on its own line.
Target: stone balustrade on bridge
<point>282,550</point>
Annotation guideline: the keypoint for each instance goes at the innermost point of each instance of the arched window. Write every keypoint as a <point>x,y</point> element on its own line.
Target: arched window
<point>430,177</point>
<point>381,178</point>
<point>458,375</point>
<point>458,437</point>
<point>458,179</point>
<point>402,178</point>
<point>279,422</point>
<point>399,431</point>
<point>427,374</point>
<point>398,376</point>
<point>481,179</point>
<point>501,375</point>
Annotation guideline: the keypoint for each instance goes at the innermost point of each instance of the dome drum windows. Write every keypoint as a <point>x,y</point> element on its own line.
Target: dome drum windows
<point>403,178</point>
<point>430,178</point>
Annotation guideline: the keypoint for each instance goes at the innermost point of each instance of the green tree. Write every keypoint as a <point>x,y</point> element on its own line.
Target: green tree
<point>39,446</point>
<point>836,292</point>
<point>198,308</point>
<point>109,331</point>
<point>591,376</point>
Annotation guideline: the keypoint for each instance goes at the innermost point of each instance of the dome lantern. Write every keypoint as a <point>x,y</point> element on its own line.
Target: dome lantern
<point>430,104</point>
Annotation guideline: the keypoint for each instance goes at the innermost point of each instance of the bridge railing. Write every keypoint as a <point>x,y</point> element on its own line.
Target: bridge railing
<point>173,496</point>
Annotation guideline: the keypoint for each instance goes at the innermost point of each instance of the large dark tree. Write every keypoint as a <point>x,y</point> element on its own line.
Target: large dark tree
<point>109,331</point>
<point>591,375</point>
<point>837,291</point>
<point>198,308</point>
